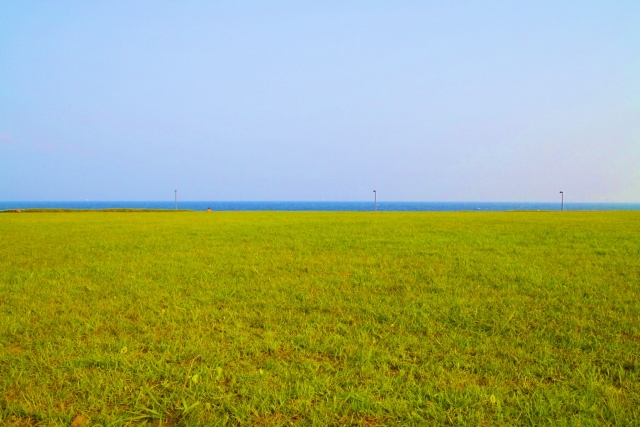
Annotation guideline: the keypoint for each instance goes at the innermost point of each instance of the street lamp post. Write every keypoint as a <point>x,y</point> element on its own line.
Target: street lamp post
<point>375,200</point>
<point>176,199</point>
<point>562,205</point>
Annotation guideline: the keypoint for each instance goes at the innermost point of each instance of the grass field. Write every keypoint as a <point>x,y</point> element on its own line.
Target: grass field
<point>267,318</point>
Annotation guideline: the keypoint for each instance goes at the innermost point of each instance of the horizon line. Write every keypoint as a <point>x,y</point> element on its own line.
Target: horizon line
<point>306,201</point>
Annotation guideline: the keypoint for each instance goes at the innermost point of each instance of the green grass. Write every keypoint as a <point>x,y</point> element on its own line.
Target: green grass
<point>124,318</point>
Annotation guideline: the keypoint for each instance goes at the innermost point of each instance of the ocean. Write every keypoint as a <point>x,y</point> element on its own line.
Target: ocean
<point>324,206</point>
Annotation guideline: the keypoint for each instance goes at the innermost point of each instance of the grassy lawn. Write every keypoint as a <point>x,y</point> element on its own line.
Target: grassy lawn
<point>273,318</point>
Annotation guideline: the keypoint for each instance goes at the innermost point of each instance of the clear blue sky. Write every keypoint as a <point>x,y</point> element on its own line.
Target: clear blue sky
<point>431,101</point>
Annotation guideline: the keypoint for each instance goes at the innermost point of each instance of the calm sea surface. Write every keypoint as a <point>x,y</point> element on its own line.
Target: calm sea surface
<point>326,206</point>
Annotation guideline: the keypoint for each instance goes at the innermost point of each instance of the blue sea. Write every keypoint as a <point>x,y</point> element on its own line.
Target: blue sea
<point>325,206</point>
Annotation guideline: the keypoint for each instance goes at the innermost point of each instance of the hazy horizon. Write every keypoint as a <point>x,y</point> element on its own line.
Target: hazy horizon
<point>282,101</point>
<point>371,201</point>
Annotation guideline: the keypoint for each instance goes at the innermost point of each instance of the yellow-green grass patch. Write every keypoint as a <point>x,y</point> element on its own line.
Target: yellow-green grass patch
<point>273,318</point>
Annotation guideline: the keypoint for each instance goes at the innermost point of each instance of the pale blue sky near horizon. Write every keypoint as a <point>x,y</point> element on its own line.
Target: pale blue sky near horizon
<point>422,101</point>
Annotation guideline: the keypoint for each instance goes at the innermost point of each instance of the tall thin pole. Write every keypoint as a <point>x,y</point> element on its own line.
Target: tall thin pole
<point>375,201</point>
<point>176,199</point>
<point>562,195</point>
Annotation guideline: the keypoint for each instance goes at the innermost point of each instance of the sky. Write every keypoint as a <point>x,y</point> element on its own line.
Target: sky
<point>290,100</point>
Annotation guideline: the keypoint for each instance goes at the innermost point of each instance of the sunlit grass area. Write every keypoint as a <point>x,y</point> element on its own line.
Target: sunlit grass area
<point>275,318</point>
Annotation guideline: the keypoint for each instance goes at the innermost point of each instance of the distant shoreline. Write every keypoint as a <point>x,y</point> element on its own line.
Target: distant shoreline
<point>134,210</point>
<point>319,206</point>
